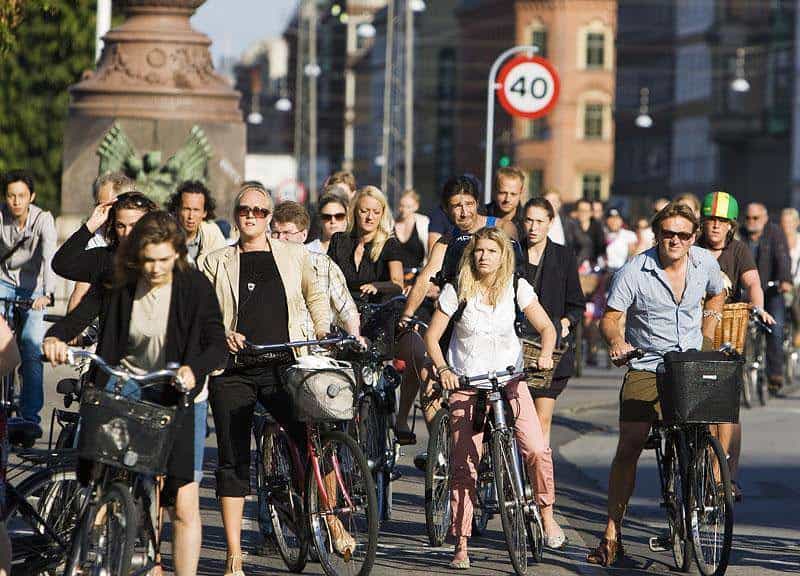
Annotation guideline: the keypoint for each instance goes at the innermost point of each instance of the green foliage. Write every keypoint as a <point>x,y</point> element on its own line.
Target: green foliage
<point>47,51</point>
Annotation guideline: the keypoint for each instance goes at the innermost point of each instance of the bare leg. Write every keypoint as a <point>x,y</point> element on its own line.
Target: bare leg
<point>187,530</point>
<point>632,438</point>
<point>461,552</point>
<point>411,349</point>
<point>735,451</point>
<point>232,512</point>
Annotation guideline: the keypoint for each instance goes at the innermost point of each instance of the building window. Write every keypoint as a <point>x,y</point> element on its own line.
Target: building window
<point>593,121</point>
<point>592,186</point>
<point>595,50</point>
<point>539,39</point>
<point>535,183</point>
<point>538,129</point>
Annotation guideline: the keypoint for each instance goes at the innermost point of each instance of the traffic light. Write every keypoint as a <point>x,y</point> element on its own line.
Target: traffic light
<point>504,149</point>
<point>504,161</point>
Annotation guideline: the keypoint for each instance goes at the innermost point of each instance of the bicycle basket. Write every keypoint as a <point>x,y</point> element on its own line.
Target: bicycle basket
<point>378,326</point>
<point>733,327</point>
<point>699,388</point>
<point>125,433</point>
<point>322,389</point>
<point>541,379</point>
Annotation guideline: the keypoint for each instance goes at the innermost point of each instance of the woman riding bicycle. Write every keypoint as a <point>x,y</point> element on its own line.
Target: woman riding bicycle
<point>265,287</point>
<point>157,311</point>
<point>483,309</point>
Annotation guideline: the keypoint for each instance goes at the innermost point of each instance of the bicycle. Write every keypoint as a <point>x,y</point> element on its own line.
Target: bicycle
<point>129,441</point>
<point>754,384</point>
<point>335,486</point>
<point>693,470</point>
<point>376,400</point>
<point>519,513</point>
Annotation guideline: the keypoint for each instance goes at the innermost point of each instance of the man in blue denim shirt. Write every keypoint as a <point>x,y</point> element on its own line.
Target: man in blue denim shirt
<point>673,296</point>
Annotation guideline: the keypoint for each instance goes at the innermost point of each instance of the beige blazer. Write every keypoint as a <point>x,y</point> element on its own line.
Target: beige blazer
<point>303,296</point>
<point>211,240</point>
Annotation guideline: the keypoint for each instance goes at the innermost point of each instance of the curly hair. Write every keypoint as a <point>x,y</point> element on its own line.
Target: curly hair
<point>126,201</point>
<point>154,227</point>
<point>193,187</point>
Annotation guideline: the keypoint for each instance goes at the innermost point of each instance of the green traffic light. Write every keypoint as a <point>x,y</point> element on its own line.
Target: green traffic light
<point>505,161</point>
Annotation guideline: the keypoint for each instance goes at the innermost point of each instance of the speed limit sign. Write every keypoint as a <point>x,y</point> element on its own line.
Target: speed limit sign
<point>528,86</point>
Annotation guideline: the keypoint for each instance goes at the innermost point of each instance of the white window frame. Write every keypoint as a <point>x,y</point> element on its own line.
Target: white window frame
<point>596,27</point>
<point>595,97</point>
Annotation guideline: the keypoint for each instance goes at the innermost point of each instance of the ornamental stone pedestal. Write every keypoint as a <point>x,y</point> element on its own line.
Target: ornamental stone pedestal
<point>155,109</point>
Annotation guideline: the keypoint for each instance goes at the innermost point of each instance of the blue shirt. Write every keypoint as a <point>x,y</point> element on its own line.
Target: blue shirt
<point>655,322</point>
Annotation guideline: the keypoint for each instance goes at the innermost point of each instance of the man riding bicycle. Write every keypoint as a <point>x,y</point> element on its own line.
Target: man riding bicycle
<point>661,293</point>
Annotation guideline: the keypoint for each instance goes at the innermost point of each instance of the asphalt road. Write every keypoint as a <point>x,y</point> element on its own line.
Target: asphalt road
<point>767,529</point>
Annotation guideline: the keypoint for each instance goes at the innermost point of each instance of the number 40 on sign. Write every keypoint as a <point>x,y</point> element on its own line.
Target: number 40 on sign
<point>527,86</point>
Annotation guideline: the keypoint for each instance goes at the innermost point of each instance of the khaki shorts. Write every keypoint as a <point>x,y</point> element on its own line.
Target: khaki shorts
<point>638,399</point>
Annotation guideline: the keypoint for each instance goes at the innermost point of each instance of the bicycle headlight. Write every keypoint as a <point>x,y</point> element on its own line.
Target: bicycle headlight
<point>368,375</point>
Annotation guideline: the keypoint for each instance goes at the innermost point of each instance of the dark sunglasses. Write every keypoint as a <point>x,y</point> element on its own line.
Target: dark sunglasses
<point>682,236</point>
<point>256,211</point>
<point>339,217</point>
<point>752,217</point>
<point>134,200</point>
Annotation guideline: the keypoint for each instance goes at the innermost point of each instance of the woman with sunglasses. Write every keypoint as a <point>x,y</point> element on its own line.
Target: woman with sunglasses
<point>333,218</point>
<point>266,288</point>
<point>368,253</point>
<point>156,311</point>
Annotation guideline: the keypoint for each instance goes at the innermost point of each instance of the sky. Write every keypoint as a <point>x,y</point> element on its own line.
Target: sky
<point>233,25</point>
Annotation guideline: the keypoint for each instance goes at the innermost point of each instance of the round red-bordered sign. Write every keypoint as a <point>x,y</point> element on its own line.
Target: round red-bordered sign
<point>528,86</point>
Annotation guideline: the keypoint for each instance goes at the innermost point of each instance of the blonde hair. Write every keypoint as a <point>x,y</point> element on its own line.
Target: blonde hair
<point>690,200</point>
<point>411,192</point>
<point>791,212</point>
<point>469,283</point>
<point>385,225</point>
<point>258,187</point>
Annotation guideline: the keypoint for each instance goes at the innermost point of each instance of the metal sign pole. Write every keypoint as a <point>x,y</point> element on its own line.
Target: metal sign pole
<point>487,181</point>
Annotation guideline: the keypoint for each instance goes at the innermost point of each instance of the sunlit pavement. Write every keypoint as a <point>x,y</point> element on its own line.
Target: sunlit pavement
<point>767,529</point>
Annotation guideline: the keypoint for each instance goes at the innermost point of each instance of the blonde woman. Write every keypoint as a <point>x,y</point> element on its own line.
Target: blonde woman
<point>411,230</point>
<point>483,308</point>
<point>368,253</point>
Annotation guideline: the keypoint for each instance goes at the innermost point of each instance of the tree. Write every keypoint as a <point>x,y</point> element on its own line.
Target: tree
<point>45,45</point>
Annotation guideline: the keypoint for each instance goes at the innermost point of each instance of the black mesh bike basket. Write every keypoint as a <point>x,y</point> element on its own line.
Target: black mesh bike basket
<point>699,388</point>
<point>125,433</point>
<point>378,326</point>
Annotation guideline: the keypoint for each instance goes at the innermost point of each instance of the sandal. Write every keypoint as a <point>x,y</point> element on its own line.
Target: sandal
<point>607,552</point>
<point>460,564</point>
<point>233,565</point>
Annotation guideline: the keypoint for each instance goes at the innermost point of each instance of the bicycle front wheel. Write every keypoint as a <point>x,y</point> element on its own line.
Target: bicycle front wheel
<point>104,544</point>
<point>40,518</point>
<point>280,503</point>
<point>710,507</point>
<point>509,501</point>
<point>437,480</point>
<point>372,435</point>
<point>342,506</point>
<point>675,497</point>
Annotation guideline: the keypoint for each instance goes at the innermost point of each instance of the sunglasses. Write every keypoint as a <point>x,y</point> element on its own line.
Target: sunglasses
<point>682,236</point>
<point>255,211</point>
<point>752,217</point>
<point>339,217</point>
<point>133,200</point>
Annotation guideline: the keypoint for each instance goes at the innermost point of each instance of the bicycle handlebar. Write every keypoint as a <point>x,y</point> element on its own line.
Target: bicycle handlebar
<point>171,372</point>
<point>755,318</point>
<point>634,354</point>
<point>382,305</point>
<point>346,340</point>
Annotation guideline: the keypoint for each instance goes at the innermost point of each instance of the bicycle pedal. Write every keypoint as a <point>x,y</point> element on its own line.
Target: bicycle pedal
<point>660,544</point>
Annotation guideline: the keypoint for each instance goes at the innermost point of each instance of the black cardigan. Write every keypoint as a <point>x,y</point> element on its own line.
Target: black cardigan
<point>195,333</point>
<point>74,262</point>
<point>560,294</point>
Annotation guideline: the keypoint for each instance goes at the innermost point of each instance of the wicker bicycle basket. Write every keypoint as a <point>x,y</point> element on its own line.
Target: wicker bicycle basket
<point>733,327</point>
<point>530,354</point>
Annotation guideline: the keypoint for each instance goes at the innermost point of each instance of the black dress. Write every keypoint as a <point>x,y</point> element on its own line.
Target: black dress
<point>412,251</point>
<point>342,251</point>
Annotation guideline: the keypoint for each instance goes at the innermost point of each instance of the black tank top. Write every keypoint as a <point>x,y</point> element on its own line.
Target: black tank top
<point>412,251</point>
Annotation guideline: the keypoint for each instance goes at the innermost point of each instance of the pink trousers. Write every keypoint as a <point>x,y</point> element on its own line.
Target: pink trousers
<point>467,447</point>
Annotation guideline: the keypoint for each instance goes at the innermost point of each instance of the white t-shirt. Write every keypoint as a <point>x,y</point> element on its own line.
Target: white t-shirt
<point>619,246</point>
<point>315,246</point>
<point>484,339</point>
<point>96,241</point>
<point>794,258</point>
<point>556,233</point>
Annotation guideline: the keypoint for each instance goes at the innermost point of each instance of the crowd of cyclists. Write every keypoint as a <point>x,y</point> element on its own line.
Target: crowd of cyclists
<point>178,286</point>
